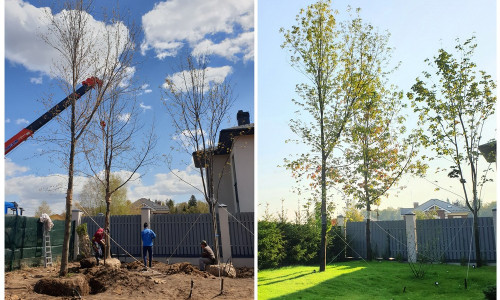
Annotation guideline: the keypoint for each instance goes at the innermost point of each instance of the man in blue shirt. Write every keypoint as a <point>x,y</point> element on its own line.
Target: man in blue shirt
<point>148,236</point>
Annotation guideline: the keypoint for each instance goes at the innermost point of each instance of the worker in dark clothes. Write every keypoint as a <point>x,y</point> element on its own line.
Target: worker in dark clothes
<point>207,256</point>
<point>98,244</point>
<point>148,236</point>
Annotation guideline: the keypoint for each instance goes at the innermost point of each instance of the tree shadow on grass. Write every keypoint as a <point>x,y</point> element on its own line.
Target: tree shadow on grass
<point>373,281</point>
<point>282,276</point>
<point>286,279</point>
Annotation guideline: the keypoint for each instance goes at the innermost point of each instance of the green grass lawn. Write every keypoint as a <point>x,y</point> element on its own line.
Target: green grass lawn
<point>374,280</point>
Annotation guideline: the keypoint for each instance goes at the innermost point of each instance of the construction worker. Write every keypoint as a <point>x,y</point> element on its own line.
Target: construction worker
<point>98,244</point>
<point>207,256</point>
<point>148,236</point>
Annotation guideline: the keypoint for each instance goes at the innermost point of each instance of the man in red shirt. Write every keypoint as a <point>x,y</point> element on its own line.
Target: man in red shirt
<point>98,244</point>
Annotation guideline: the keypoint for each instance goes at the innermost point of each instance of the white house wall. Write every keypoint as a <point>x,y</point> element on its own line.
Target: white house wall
<point>243,151</point>
<point>224,189</point>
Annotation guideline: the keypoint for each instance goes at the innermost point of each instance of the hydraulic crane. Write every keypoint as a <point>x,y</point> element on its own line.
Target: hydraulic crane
<point>25,133</point>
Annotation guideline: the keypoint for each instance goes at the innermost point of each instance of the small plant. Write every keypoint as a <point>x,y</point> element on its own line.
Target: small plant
<point>490,292</point>
<point>463,261</point>
<point>443,258</point>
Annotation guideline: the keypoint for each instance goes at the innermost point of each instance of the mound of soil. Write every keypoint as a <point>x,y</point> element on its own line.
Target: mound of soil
<point>244,272</point>
<point>74,286</point>
<point>184,268</point>
<point>88,262</point>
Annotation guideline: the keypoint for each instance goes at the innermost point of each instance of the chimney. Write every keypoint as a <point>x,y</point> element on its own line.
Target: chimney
<point>415,204</point>
<point>243,117</point>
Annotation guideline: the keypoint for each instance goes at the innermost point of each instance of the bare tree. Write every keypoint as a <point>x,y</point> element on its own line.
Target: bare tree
<point>112,145</point>
<point>198,103</point>
<point>84,50</point>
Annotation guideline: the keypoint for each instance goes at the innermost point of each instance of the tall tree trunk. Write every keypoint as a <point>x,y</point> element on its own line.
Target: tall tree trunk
<point>69,194</point>
<point>322,250</point>
<point>479,263</point>
<point>213,214</point>
<point>107,230</point>
<point>368,240</point>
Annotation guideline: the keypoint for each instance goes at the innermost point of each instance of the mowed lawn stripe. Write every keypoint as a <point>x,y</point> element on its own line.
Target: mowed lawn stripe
<point>374,280</point>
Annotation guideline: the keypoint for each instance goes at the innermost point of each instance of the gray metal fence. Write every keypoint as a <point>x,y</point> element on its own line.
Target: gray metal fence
<point>452,239</point>
<point>178,235</point>
<point>241,232</point>
<point>125,230</point>
<point>437,240</point>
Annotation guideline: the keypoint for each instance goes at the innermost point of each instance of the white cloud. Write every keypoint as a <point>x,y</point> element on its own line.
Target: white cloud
<point>145,89</point>
<point>36,80</point>
<point>228,48</point>
<point>25,23</point>
<point>30,190</point>
<point>166,185</point>
<point>129,74</point>
<point>12,169</point>
<point>144,107</point>
<point>215,75</point>
<point>172,24</point>
<point>124,117</point>
<point>7,120</point>
<point>22,121</point>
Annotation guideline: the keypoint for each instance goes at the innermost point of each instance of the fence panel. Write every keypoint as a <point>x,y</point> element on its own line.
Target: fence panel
<point>242,234</point>
<point>437,239</point>
<point>180,235</point>
<point>356,232</point>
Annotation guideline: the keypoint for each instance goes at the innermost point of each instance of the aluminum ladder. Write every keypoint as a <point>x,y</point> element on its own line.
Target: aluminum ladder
<point>47,249</point>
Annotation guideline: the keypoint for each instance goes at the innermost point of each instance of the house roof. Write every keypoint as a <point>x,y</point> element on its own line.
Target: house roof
<point>448,207</point>
<point>489,151</point>
<point>143,202</point>
<point>226,138</point>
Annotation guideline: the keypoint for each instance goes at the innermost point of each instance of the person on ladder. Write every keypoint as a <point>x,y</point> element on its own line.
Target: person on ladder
<point>98,244</point>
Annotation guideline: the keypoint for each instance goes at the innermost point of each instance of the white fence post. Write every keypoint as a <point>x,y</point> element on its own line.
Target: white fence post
<point>340,222</point>
<point>76,215</point>
<point>224,232</point>
<point>411,237</point>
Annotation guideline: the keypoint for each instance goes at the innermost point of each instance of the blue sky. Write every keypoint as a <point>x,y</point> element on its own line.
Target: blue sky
<point>168,29</point>
<point>418,29</point>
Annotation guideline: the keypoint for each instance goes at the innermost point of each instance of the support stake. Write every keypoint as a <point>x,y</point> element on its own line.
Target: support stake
<point>191,291</point>
<point>465,283</point>
<point>221,286</point>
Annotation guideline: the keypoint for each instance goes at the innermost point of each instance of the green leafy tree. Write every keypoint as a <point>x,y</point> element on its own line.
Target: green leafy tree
<point>171,206</point>
<point>376,155</point>
<point>270,244</point>
<point>453,106</point>
<point>426,215</point>
<point>352,214</point>
<point>44,208</point>
<point>192,201</point>
<point>340,61</point>
<point>93,195</point>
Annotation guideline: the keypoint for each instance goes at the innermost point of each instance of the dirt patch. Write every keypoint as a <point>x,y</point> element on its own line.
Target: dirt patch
<point>244,272</point>
<point>77,285</point>
<point>132,281</point>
